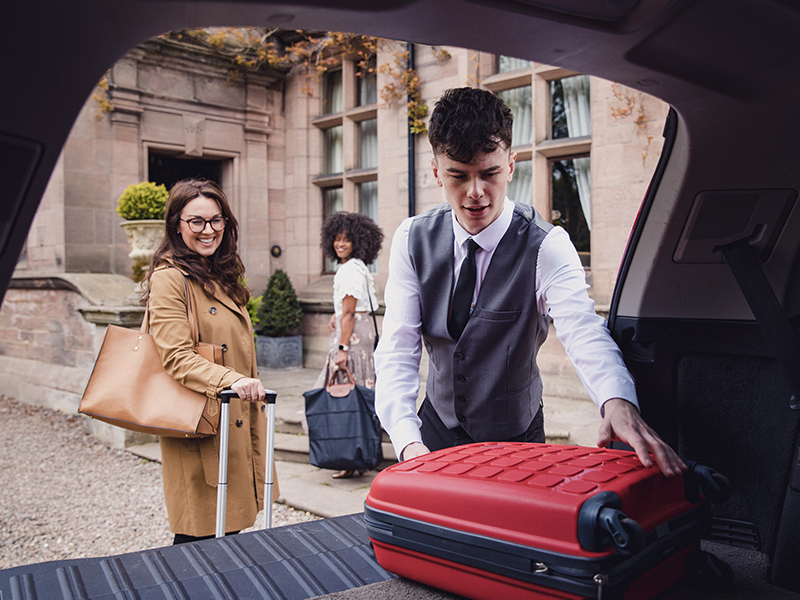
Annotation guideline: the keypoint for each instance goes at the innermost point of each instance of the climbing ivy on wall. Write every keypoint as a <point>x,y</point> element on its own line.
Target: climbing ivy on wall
<point>251,49</point>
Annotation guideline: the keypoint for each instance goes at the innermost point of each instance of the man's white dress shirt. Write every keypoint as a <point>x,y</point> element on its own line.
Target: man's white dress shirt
<point>561,292</point>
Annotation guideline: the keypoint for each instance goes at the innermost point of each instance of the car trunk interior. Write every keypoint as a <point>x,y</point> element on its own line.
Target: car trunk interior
<point>718,383</point>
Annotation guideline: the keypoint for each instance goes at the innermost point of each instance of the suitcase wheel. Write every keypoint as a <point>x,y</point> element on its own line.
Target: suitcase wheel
<point>717,488</point>
<point>702,479</point>
<point>705,570</point>
<point>627,536</point>
<point>601,523</point>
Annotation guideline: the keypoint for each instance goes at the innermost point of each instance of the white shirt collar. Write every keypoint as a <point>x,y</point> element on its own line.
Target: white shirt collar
<point>489,237</point>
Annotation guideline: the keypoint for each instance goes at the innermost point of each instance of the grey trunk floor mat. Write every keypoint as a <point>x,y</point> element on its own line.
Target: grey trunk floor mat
<point>292,562</point>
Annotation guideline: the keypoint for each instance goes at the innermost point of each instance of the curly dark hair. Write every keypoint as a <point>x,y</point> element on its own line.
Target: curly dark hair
<point>224,267</point>
<point>366,236</point>
<point>467,122</point>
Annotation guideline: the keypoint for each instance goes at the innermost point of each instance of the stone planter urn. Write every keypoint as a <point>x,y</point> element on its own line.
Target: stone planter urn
<point>144,235</point>
<point>142,206</point>
<point>279,352</point>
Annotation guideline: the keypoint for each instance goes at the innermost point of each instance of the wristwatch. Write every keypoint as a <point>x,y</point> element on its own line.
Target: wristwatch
<point>344,347</point>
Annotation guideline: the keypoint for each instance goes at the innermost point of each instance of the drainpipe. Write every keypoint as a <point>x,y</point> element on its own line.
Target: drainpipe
<point>412,171</point>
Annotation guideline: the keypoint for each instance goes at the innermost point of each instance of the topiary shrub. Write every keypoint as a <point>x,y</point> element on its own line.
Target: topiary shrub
<point>144,200</point>
<point>279,313</point>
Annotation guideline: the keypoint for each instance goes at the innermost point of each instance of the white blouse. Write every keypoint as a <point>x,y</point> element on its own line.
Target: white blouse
<point>352,279</point>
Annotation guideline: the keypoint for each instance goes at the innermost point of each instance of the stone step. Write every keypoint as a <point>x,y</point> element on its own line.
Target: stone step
<point>288,448</point>
<point>294,447</point>
<point>292,427</point>
<point>568,387</point>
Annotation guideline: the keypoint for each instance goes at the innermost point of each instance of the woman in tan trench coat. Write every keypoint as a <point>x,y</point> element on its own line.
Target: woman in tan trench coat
<point>199,249</point>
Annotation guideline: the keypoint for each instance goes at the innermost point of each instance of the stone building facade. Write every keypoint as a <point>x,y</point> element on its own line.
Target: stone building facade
<point>286,159</point>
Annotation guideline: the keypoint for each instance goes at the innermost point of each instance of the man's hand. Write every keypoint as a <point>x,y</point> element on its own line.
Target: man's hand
<point>413,450</point>
<point>622,422</point>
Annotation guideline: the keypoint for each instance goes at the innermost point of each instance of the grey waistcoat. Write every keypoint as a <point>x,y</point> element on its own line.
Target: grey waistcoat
<point>488,381</point>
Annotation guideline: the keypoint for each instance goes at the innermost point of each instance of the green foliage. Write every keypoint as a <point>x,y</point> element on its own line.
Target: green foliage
<point>279,313</point>
<point>140,270</point>
<point>144,200</point>
<point>252,308</point>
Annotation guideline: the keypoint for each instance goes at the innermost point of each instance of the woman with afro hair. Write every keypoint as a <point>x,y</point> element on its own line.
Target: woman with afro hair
<point>354,240</point>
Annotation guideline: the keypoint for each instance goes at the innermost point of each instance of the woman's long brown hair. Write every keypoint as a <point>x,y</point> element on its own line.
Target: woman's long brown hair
<point>224,267</point>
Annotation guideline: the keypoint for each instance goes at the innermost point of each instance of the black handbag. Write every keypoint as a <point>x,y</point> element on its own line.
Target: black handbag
<point>344,432</point>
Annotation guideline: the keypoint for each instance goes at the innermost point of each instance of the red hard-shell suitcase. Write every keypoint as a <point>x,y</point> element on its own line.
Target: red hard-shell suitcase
<point>519,520</point>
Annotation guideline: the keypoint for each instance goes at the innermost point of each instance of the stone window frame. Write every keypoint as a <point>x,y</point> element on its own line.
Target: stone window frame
<point>349,119</point>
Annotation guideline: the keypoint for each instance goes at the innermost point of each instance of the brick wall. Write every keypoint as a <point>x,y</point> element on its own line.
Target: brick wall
<point>45,325</point>
<point>47,345</point>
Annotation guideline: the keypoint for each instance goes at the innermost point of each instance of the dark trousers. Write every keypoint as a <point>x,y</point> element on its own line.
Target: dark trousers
<point>181,538</point>
<point>435,435</point>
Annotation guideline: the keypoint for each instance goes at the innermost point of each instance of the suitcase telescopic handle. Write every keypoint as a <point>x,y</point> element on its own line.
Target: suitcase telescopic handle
<point>222,483</point>
<point>222,480</point>
<point>272,396</point>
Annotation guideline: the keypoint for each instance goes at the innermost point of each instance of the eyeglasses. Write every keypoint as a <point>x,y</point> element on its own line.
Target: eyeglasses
<point>198,225</point>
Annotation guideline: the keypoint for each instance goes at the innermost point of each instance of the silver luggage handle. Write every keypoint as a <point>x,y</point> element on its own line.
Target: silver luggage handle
<point>268,483</point>
<point>222,481</point>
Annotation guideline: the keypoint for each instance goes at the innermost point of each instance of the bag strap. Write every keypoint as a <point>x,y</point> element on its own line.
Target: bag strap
<point>371,308</point>
<point>345,371</point>
<point>145,328</point>
<point>191,313</point>
<point>190,310</point>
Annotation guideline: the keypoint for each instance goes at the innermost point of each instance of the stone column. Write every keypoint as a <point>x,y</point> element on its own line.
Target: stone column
<point>127,157</point>
<point>254,208</point>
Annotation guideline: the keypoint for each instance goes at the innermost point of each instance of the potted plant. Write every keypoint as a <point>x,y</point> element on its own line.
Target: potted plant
<point>142,206</point>
<point>278,344</point>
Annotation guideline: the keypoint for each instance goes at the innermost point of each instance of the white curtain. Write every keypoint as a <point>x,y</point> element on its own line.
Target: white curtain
<point>583,181</point>
<point>367,197</point>
<point>509,63</point>
<point>367,203</point>
<point>521,186</point>
<point>333,93</point>
<point>368,144</point>
<point>519,100</point>
<point>334,159</point>
<point>579,124</point>
<point>368,84</point>
<point>332,201</point>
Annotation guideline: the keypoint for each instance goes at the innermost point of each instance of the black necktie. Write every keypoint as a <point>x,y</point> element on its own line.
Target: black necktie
<point>465,287</point>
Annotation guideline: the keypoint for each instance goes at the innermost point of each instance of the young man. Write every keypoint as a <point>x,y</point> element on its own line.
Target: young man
<point>478,280</point>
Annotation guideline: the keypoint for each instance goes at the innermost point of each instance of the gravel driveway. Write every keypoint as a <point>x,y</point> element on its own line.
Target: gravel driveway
<point>64,494</point>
